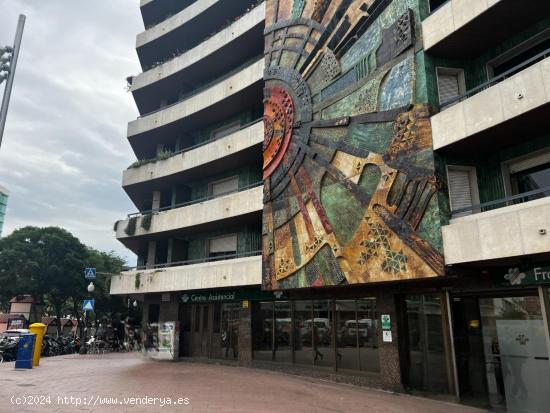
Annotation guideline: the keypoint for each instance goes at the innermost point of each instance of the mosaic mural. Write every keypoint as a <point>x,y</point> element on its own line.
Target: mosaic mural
<point>350,192</point>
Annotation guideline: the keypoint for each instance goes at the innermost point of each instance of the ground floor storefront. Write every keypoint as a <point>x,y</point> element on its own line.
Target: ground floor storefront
<point>477,339</point>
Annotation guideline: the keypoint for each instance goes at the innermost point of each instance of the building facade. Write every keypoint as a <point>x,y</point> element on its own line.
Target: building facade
<point>400,238</point>
<point>4,194</point>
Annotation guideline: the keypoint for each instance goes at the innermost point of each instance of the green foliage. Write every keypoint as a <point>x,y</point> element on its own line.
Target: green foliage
<point>131,227</point>
<point>146,221</point>
<point>48,263</point>
<point>137,281</point>
<point>162,155</point>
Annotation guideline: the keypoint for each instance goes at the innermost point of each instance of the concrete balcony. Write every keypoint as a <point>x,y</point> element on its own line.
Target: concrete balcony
<point>216,274</point>
<point>216,55</point>
<point>496,114</point>
<point>186,29</point>
<point>466,28</point>
<point>155,11</point>
<point>198,213</point>
<point>501,233</point>
<point>228,97</point>
<point>217,155</point>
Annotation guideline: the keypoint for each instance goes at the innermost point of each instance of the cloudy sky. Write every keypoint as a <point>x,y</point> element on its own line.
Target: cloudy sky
<point>65,146</point>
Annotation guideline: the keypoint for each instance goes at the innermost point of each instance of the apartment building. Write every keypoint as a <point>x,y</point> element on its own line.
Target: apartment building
<point>386,223</point>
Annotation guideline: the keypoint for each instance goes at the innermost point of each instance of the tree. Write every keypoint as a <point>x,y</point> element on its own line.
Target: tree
<point>48,263</point>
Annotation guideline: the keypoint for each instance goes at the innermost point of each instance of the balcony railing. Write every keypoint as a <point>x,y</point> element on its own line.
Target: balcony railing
<point>195,201</point>
<point>499,203</point>
<point>139,163</point>
<point>535,59</point>
<point>197,261</point>
<point>206,86</point>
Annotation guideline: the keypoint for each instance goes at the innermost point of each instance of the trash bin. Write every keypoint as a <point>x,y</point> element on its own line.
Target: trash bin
<point>39,329</point>
<point>25,351</point>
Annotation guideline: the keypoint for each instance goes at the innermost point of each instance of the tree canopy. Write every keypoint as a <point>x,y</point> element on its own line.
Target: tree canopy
<point>49,263</point>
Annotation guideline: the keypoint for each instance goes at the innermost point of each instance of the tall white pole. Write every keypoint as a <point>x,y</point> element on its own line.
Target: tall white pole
<point>11,75</point>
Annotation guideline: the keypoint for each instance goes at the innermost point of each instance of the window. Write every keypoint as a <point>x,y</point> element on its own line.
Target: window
<point>435,4</point>
<point>226,130</point>
<point>450,84</point>
<point>222,246</point>
<point>529,174</point>
<point>223,187</point>
<point>463,191</point>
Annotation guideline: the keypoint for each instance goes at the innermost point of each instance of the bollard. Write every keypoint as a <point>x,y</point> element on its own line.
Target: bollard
<point>39,329</point>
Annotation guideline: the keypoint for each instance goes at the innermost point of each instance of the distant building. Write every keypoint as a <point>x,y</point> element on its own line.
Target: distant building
<point>28,306</point>
<point>4,193</point>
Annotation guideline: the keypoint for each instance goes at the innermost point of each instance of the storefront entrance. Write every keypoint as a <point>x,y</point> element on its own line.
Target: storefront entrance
<point>501,353</point>
<point>210,330</point>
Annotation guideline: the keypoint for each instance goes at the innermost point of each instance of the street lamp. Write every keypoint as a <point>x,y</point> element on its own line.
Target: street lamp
<point>83,332</point>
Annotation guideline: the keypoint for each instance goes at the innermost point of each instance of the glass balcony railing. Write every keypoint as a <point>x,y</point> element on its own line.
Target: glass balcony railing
<point>195,201</point>
<point>198,260</point>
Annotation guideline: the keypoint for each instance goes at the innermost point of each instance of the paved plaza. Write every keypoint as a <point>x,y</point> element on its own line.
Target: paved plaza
<point>128,383</point>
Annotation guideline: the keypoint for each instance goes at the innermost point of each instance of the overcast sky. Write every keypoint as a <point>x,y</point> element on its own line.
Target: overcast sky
<point>65,145</point>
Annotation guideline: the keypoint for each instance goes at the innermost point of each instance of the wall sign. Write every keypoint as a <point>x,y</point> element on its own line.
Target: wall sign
<point>386,321</point>
<point>516,278</point>
<point>230,295</point>
<point>386,336</point>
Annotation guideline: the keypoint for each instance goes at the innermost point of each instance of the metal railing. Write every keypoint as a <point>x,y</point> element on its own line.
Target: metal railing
<point>197,261</point>
<point>497,79</point>
<point>198,145</point>
<point>195,201</point>
<point>509,200</point>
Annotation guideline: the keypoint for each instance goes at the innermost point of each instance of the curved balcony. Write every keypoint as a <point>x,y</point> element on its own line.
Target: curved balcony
<point>235,149</point>
<point>237,43</point>
<point>510,231</point>
<point>516,103</point>
<point>231,271</point>
<point>186,29</point>
<point>220,101</point>
<point>466,28</point>
<point>195,213</point>
<point>155,11</point>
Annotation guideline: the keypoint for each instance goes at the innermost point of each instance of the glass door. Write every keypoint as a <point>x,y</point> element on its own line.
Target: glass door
<point>425,362</point>
<point>516,357</point>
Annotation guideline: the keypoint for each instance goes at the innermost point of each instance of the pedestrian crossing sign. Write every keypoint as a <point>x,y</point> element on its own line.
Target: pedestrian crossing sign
<point>88,305</point>
<point>89,273</point>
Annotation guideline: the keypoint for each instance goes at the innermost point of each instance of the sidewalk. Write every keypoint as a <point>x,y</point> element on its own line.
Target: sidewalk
<point>106,380</point>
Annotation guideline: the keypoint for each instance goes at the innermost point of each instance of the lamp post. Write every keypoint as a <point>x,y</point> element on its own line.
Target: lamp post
<point>83,332</point>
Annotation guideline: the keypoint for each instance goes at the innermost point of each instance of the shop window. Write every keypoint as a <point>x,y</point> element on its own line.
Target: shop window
<point>303,333</point>
<point>322,331</point>
<point>197,323</point>
<point>367,331</point>
<point>282,348</point>
<point>223,187</point>
<point>230,318</point>
<point>516,355</point>
<point>450,84</point>
<point>262,330</point>
<point>463,192</point>
<point>222,246</point>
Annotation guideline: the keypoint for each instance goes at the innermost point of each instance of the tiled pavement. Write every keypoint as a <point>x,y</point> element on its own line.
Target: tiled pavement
<point>209,388</point>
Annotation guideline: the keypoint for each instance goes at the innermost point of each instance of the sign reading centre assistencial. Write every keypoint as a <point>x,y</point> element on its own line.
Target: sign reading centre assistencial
<point>229,295</point>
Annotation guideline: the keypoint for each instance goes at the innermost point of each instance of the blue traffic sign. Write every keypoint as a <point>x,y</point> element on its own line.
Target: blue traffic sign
<point>89,273</point>
<point>88,305</point>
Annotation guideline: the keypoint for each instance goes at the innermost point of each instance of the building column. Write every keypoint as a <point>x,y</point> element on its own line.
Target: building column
<point>169,250</point>
<point>156,200</point>
<point>545,308</point>
<point>245,333</point>
<point>390,366</point>
<point>151,254</point>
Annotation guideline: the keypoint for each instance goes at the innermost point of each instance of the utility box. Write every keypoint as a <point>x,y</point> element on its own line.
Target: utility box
<point>39,329</point>
<point>25,351</point>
